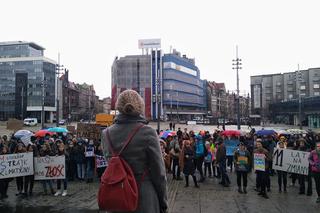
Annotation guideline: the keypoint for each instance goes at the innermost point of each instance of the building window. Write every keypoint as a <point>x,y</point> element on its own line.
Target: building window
<point>316,93</point>
<point>290,96</point>
<point>316,86</point>
<point>303,87</point>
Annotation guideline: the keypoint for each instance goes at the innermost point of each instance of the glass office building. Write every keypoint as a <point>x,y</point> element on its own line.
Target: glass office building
<point>184,93</point>
<point>22,70</point>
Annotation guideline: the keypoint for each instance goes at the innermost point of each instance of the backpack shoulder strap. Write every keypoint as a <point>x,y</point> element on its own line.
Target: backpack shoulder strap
<point>128,140</point>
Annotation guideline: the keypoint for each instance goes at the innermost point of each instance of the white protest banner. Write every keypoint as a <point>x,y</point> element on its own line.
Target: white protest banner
<point>89,153</point>
<point>101,161</point>
<point>16,165</point>
<point>259,162</point>
<point>292,161</point>
<point>49,167</point>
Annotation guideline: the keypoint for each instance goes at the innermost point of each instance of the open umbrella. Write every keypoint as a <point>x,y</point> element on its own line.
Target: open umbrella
<point>231,133</point>
<point>297,131</point>
<point>58,129</point>
<point>283,132</point>
<point>22,133</point>
<point>43,132</point>
<point>265,132</point>
<point>166,133</point>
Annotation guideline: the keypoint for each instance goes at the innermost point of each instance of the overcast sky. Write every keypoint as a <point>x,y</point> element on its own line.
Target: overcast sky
<point>273,36</point>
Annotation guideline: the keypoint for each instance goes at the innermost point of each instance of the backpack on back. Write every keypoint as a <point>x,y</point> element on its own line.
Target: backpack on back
<point>118,189</point>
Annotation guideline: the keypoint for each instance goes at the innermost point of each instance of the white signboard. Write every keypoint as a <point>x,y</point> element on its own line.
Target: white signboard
<point>292,161</point>
<point>50,167</point>
<point>101,161</point>
<point>16,165</point>
<point>149,43</point>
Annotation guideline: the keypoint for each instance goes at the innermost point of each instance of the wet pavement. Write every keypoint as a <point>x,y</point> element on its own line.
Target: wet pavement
<point>211,197</point>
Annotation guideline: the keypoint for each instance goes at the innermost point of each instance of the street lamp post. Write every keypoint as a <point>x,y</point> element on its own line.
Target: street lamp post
<point>43,85</point>
<point>237,66</point>
<point>299,79</point>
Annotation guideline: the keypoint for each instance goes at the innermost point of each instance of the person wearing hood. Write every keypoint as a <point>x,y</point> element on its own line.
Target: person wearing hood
<point>221,158</point>
<point>142,154</point>
<point>242,159</point>
<point>200,153</point>
<point>80,159</point>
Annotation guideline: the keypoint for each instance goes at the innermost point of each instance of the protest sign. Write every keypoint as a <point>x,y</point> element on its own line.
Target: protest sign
<point>291,161</point>
<point>49,167</point>
<point>89,153</point>
<point>231,146</point>
<point>259,162</point>
<point>16,165</point>
<point>101,161</point>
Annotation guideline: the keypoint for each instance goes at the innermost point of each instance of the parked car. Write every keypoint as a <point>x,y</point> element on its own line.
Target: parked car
<point>30,122</point>
<point>62,122</point>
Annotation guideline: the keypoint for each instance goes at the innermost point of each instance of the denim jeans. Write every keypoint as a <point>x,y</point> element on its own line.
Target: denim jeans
<point>81,170</point>
<point>90,165</point>
<point>65,183</point>
<point>224,176</point>
<point>44,185</point>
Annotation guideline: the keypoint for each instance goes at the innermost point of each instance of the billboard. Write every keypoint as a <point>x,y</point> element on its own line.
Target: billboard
<point>149,43</point>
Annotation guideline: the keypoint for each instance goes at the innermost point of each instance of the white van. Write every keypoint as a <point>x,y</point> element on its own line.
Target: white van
<point>30,122</point>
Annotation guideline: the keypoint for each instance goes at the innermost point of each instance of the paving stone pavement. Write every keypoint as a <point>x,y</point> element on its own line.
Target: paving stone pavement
<point>211,197</point>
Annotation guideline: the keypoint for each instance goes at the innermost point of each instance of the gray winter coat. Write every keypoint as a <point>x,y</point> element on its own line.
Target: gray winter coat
<point>142,154</point>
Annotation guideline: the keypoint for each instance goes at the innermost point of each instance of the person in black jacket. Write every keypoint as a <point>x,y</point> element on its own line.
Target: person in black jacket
<point>4,183</point>
<point>303,178</point>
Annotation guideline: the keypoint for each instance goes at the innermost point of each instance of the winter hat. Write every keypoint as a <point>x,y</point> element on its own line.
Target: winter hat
<point>130,103</point>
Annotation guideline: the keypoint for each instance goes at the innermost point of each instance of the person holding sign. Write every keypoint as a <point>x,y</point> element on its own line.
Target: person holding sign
<point>282,175</point>
<point>242,166</point>
<point>302,178</point>
<point>19,180</point>
<point>89,153</point>
<point>261,170</point>
<point>61,152</point>
<point>314,160</point>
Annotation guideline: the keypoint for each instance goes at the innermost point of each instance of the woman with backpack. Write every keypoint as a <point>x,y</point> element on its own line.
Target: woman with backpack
<point>200,153</point>
<point>138,146</point>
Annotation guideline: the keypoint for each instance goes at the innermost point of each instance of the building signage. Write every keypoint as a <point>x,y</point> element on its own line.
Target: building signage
<point>149,43</point>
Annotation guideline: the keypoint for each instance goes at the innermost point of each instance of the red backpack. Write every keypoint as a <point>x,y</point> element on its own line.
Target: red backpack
<point>118,189</point>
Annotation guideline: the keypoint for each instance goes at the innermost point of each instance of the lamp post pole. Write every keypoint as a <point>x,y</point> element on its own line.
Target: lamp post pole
<point>237,66</point>
<point>43,85</point>
<point>299,79</point>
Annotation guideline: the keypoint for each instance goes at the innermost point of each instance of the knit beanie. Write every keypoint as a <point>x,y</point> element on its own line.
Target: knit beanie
<point>130,103</point>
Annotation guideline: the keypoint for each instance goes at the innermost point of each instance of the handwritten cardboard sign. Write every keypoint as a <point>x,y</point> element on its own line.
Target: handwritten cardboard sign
<point>259,162</point>
<point>292,161</point>
<point>16,165</point>
<point>231,146</point>
<point>49,167</point>
<point>101,161</point>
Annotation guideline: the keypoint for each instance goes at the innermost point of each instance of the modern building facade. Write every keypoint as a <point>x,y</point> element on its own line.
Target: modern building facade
<point>180,91</point>
<point>184,93</point>
<point>133,72</point>
<point>287,87</point>
<point>23,69</point>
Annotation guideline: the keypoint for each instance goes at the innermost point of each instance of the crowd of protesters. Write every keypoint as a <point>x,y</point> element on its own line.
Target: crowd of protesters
<point>78,166</point>
<point>187,152</point>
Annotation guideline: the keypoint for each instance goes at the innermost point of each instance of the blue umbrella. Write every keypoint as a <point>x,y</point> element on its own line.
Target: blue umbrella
<point>23,133</point>
<point>265,132</point>
<point>58,129</point>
